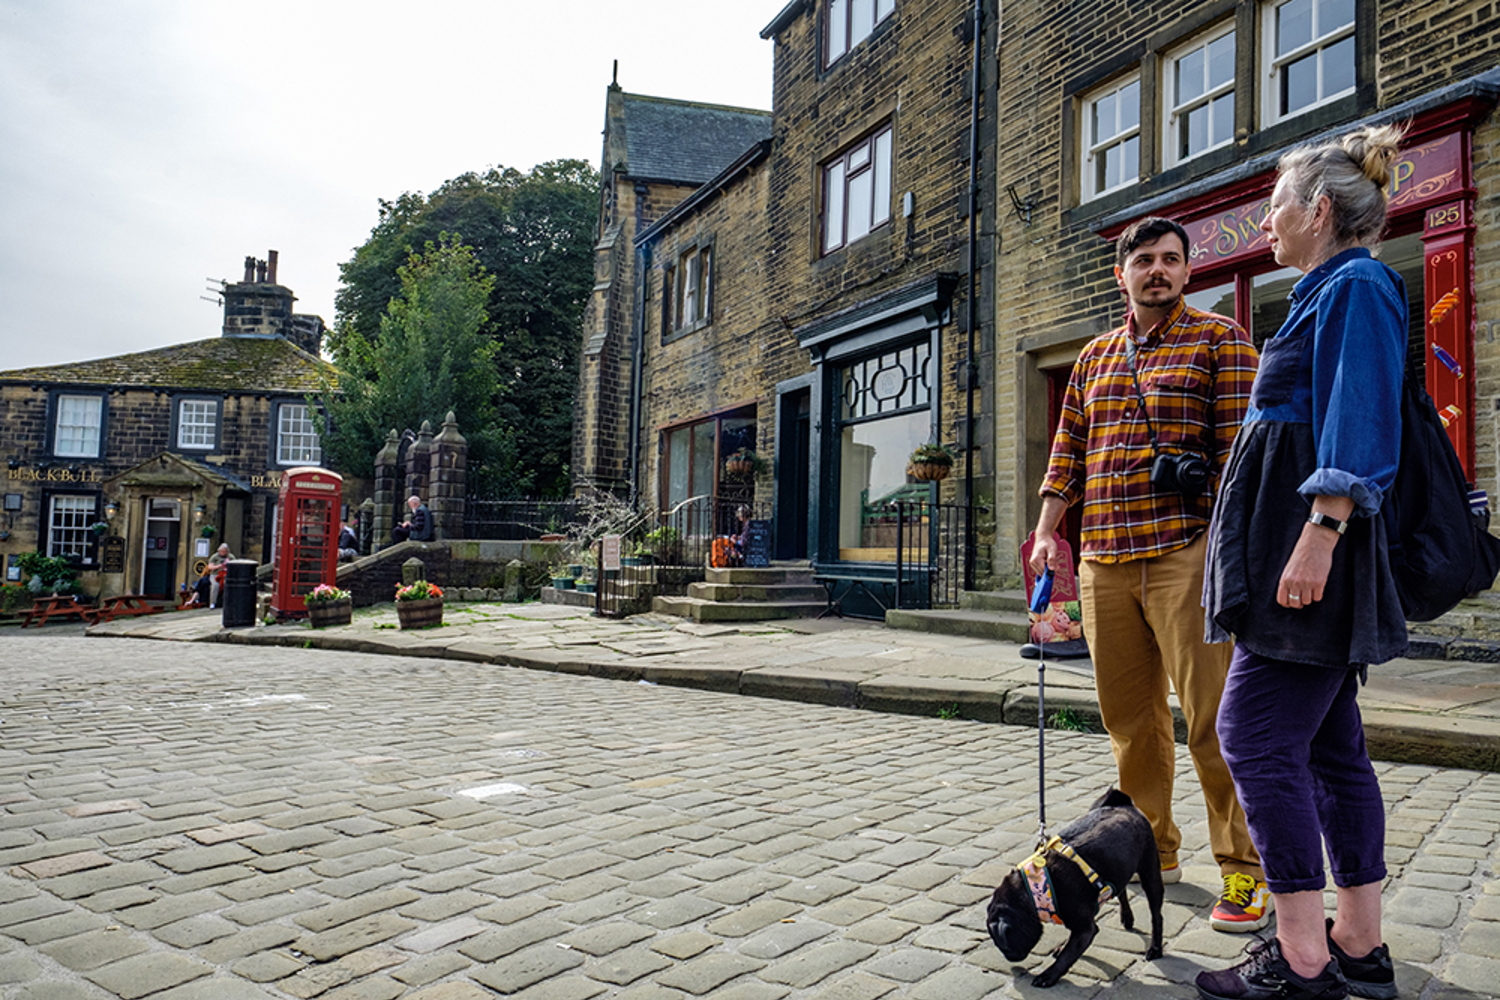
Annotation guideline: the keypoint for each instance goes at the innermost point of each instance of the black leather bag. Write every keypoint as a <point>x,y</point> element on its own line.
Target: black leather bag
<point>1440,551</point>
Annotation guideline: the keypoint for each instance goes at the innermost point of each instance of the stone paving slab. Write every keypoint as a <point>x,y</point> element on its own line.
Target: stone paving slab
<point>316,823</point>
<point>1419,711</point>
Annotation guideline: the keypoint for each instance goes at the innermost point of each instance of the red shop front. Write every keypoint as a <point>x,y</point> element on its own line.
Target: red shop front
<point>1429,241</point>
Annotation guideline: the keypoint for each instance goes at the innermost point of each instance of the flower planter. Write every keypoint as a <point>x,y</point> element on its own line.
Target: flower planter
<point>575,570</point>
<point>562,583</point>
<point>322,614</point>
<point>738,468</point>
<point>423,613</point>
<point>586,587</point>
<point>928,472</point>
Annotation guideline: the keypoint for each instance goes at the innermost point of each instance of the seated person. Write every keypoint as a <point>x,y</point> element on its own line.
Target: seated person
<point>418,525</point>
<point>348,543</point>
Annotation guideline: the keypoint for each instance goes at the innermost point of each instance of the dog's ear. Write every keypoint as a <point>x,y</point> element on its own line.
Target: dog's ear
<point>1112,799</point>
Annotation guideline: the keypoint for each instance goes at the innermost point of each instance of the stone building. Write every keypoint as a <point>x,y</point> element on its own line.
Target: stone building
<point>809,302</point>
<point>164,444</point>
<point>1114,110</point>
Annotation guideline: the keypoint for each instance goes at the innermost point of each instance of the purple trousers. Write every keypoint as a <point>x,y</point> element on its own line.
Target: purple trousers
<point>1292,737</point>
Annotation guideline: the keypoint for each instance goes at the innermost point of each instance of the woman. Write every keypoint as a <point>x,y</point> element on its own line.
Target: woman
<point>1297,574</point>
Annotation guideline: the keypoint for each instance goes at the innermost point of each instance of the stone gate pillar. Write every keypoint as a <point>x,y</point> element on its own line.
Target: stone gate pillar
<point>387,482</point>
<point>419,466</point>
<point>450,455</point>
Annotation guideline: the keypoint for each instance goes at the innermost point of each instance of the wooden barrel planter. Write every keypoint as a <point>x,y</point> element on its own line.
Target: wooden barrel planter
<point>928,472</point>
<point>420,614</point>
<point>322,614</point>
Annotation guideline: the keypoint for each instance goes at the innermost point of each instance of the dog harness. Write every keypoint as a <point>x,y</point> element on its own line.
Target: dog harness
<point>1039,879</point>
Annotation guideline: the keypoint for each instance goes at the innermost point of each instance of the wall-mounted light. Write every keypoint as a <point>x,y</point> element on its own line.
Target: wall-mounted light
<point>198,513</point>
<point>1022,209</point>
<point>111,509</point>
<point>13,464</point>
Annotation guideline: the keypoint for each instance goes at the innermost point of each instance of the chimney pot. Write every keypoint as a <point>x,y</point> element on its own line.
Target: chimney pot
<point>271,266</point>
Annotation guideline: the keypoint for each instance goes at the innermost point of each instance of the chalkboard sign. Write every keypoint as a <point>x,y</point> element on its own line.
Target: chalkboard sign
<point>758,543</point>
<point>112,554</point>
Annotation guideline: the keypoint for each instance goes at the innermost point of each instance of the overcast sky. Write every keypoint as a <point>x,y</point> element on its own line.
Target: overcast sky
<point>147,146</point>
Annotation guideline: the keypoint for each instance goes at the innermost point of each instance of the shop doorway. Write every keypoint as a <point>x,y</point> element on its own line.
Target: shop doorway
<point>163,536</point>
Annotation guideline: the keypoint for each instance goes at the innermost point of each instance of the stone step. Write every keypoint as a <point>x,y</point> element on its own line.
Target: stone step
<point>1013,601</point>
<point>757,592</point>
<point>735,611</point>
<point>570,598</point>
<point>789,573</point>
<point>999,626</point>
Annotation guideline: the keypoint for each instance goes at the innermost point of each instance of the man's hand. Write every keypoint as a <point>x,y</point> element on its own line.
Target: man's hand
<point>1044,538</point>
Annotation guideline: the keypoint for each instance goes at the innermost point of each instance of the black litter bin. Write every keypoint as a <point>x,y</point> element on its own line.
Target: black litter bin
<point>239,594</point>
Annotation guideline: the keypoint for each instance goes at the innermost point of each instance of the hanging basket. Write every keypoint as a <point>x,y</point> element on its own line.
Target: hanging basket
<point>928,472</point>
<point>423,613</point>
<point>322,614</point>
<point>738,468</point>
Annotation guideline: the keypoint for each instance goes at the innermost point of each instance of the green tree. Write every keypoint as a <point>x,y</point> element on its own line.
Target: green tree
<point>533,233</point>
<point>430,354</point>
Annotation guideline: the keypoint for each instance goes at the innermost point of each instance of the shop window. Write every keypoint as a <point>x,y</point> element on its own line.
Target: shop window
<point>849,22</point>
<point>857,191</point>
<point>694,454</point>
<point>197,424</point>
<point>76,429</point>
<point>1111,137</point>
<point>297,436</point>
<point>884,414</point>
<point>1216,299</point>
<point>687,291</point>
<point>1198,96</point>
<point>68,520</point>
<point>1309,52</point>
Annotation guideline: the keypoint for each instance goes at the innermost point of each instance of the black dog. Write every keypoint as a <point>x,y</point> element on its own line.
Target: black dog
<point>1115,841</point>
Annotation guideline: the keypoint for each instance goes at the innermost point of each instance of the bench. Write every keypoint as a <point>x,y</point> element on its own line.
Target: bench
<point>123,606</point>
<point>855,582</point>
<point>47,608</point>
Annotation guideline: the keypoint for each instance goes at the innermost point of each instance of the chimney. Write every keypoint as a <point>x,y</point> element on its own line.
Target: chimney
<point>258,306</point>
<point>271,266</point>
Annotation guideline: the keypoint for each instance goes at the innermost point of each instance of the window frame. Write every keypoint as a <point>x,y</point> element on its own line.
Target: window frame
<point>81,538</point>
<point>691,271</point>
<point>54,424</point>
<point>850,175</point>
<point>1089,148</point>
<point>839,14</point>
<point>216,408</point>
<point>1272,64</point>
<point>312,415</point>
<point>1172,109</point>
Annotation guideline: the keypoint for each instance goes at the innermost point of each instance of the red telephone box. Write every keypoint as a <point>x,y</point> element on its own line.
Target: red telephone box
<point>307,540</point>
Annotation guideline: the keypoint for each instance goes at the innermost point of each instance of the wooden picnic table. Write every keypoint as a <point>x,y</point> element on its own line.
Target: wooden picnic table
<point>121,606</point>
<point>47,608</point>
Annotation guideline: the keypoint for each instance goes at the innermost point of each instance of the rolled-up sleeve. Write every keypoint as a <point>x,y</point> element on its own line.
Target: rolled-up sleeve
<point>1358,363</point>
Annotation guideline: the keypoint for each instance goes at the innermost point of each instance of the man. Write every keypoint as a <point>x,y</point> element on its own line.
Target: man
<point>417,526</point>
<point>1143,541</point>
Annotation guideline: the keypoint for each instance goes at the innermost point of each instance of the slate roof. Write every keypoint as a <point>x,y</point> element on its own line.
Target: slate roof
<point>220,364</point>
<point>682,141</point>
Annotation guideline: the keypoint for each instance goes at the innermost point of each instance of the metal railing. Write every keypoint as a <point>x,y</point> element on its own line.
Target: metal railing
<point>517,520</point>
<point>931,551</point>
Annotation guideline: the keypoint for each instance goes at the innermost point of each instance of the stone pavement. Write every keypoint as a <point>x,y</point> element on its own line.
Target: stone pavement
<point>195,822</point>
<point>1439,712</point>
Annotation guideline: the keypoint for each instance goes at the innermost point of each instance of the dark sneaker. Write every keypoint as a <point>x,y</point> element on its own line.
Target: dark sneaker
<point>1372,976</point>
<point>1264,975</point>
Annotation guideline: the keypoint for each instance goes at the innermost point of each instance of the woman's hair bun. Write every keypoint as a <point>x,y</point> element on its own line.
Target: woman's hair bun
<point>1374,149</point>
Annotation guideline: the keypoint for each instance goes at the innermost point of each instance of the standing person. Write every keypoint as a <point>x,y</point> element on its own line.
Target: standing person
<point>1142,575</point>
<point>1298,575</point>
<point>218,566</point>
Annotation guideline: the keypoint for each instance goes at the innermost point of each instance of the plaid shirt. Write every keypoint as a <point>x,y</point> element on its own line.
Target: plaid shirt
<point>1196,370</point>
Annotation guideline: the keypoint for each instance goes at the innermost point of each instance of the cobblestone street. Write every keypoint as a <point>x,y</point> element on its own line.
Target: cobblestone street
<point>218,822</point>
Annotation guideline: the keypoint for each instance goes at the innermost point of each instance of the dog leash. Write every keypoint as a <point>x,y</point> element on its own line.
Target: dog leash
<point>1041,600</point>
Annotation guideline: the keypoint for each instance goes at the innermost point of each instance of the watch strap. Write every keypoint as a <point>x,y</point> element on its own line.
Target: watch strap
<point>1324,521</point>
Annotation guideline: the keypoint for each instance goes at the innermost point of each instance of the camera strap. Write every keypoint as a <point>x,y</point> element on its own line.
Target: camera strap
<point>1130,359</point>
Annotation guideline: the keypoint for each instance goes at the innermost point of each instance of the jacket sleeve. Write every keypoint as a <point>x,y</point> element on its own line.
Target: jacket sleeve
<point>1065,467</point>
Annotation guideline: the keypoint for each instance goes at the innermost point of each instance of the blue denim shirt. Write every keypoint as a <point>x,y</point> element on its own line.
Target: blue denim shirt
<point>1347,329</point>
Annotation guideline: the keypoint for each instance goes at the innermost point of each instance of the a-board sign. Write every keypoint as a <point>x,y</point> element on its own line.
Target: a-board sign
<point>112,554</point>
<point>758,543</point>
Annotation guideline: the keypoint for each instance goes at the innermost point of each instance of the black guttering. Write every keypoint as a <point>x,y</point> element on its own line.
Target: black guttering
<point>1485,86</point>
<point>786,17</point>
<point>686,206</point>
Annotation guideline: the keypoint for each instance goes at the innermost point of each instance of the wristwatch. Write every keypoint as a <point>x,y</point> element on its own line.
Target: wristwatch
<point>1324,521</point>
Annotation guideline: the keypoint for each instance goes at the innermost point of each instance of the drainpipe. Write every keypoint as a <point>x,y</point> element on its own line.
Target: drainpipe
<point>971,370</point>
<point>637,364</point>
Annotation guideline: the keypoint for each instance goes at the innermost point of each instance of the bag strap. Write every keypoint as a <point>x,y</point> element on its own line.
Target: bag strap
<point>1130,360</point>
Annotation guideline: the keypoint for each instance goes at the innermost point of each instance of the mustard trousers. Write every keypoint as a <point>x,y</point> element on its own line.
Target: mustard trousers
<point>1144,623</point>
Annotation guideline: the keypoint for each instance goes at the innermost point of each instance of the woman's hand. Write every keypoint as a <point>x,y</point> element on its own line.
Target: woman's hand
<point>1306,573</point>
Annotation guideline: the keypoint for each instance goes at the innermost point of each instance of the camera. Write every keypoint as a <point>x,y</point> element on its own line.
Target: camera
<point>1185,474</point>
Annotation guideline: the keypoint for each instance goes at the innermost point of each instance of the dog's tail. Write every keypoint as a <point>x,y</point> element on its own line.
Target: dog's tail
<point>1113,798</point>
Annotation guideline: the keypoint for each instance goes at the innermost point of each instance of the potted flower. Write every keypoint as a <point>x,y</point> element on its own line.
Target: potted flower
<point>663,545</point>
<point>561,578</point>
<point>99,528</point>
<point>207,531</point>
<point>930,463</point>
<point>329,606</point>
<point>744,464</point>
<point>419,605</point>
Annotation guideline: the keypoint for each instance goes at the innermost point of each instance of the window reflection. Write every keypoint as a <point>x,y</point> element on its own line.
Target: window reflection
<point>872,472</point>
